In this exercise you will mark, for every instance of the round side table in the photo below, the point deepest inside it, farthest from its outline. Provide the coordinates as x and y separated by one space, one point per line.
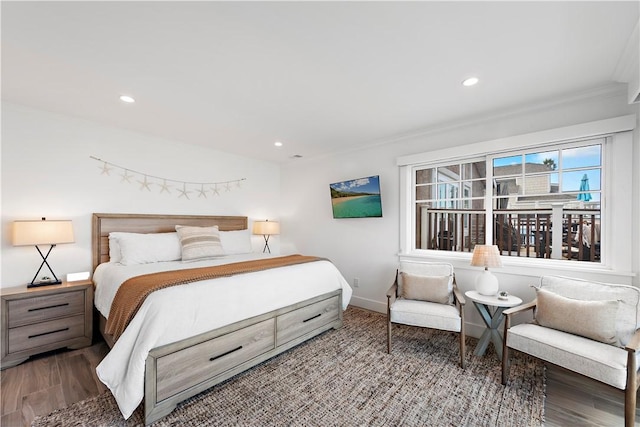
490 308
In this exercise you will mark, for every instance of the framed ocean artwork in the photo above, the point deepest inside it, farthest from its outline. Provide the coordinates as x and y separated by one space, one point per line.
356 198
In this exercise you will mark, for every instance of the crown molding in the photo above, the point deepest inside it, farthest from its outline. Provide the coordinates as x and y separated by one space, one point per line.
608 90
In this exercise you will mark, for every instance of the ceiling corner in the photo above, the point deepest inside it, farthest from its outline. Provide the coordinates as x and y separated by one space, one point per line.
628 67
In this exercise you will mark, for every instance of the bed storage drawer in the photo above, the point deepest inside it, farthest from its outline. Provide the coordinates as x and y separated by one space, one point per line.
183 369
306 319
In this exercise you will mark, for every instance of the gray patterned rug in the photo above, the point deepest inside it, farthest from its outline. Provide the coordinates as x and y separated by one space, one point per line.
345 377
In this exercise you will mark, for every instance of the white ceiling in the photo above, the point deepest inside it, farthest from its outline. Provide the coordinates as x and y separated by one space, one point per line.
322 77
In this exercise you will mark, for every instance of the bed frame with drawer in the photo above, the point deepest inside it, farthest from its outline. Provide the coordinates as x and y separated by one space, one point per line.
177 371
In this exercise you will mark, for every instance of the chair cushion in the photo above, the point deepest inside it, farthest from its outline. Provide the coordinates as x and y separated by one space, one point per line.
426 314
427 288
628 319
590 319
602 362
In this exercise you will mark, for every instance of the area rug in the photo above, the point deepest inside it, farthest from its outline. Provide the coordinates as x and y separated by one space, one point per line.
345 378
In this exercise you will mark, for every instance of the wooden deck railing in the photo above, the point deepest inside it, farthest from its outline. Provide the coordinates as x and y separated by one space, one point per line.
521 233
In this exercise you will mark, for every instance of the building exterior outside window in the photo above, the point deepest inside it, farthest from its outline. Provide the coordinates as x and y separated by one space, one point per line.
531 203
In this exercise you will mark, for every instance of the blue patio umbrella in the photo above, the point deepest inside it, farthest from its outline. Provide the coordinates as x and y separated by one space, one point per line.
584 194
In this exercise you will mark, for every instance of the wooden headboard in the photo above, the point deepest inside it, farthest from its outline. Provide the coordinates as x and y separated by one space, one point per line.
105 223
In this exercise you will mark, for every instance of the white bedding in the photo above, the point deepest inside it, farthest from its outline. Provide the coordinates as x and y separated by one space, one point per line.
179 312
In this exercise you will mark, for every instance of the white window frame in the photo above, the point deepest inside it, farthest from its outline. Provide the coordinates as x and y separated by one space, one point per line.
615 207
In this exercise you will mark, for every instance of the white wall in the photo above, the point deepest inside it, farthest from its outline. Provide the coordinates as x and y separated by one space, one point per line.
47 172
368 248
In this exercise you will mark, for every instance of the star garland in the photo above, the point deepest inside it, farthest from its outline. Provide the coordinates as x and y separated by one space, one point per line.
184 189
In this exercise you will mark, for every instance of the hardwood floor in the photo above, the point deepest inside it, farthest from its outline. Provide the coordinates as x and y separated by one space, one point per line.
573 400
58 379
48 382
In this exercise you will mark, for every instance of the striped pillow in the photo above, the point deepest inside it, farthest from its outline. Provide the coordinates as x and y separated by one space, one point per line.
199 242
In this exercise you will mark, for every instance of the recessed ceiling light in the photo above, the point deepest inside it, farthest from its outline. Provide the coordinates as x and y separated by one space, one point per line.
278 144
127 99
470 81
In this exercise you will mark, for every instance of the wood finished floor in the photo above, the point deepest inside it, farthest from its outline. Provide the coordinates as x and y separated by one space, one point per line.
58 379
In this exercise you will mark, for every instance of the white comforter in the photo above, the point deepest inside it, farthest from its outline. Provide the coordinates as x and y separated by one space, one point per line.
179 312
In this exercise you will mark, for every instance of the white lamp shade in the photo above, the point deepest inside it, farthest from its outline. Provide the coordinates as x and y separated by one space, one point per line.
42 232
486 256
266 227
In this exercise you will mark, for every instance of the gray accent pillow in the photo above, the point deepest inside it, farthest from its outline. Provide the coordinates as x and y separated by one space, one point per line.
426 288
591 319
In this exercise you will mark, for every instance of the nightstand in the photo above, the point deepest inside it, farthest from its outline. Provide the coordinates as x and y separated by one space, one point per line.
42 319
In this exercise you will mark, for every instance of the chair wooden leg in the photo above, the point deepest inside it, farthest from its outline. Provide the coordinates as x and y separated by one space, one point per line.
463 351
389 336
505 352
631 390
630 407
505 365
463 339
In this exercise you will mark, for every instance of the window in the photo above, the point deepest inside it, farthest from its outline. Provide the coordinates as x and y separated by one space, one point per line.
450 205
513 199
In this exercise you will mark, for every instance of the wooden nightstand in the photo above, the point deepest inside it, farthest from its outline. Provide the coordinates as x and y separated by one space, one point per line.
43 319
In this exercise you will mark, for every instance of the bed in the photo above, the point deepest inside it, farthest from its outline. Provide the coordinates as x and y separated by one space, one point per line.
185 339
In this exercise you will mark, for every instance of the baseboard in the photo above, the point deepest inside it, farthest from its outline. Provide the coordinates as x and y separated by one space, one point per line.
369 304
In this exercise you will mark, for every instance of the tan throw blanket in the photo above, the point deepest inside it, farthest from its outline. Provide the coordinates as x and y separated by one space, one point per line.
133 292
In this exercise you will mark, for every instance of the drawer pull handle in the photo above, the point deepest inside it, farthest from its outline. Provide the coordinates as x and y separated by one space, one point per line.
311 318
47 333
224 354
48 307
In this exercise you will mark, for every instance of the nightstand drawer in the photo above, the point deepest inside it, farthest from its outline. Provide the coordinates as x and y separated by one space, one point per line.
40 334
37 309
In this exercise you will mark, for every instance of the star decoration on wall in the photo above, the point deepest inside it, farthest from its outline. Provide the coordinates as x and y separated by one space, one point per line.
126 177
183 192
145 184
164 187
183 188
106 169
202 192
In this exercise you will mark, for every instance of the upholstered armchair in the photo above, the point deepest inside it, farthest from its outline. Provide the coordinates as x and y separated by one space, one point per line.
426 295
587 327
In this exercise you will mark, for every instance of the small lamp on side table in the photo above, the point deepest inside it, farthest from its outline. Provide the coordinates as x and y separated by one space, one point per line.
266 229
486 256
27 233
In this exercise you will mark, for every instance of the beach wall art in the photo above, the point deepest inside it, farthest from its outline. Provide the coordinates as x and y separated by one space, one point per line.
356 198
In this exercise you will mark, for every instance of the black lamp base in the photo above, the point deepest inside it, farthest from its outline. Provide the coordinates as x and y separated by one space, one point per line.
45 283
46 280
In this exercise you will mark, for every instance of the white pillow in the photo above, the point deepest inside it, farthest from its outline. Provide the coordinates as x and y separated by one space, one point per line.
137 248
199 243
114 248
236 242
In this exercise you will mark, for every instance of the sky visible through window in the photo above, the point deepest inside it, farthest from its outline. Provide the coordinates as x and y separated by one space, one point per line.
576 163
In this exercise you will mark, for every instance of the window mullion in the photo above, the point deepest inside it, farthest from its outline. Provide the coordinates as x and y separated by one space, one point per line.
488 201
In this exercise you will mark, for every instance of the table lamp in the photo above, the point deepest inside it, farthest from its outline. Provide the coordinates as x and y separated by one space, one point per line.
486 256
266 229
42 232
